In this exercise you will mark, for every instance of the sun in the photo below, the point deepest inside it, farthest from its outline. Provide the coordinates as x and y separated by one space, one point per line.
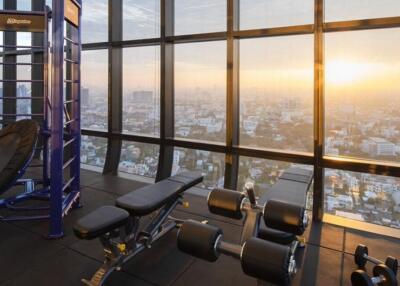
342 72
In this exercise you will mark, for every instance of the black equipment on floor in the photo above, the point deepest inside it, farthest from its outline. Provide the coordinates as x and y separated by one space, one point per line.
361 258
118 226
383 276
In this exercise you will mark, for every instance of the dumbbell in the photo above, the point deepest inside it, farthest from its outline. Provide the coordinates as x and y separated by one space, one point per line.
361 257
383 276
260 259
280 215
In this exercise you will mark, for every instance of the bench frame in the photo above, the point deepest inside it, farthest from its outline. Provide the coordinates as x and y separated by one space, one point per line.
121 245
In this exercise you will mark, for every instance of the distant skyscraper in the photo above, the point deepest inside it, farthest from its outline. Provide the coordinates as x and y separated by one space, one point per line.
141 96
85 96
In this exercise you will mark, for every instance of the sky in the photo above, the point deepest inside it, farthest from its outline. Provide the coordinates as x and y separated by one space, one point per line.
361 62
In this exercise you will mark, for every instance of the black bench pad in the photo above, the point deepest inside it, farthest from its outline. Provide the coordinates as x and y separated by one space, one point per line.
100 221
145 200
292 186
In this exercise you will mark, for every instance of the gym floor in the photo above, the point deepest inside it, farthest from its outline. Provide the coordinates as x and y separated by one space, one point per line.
26 258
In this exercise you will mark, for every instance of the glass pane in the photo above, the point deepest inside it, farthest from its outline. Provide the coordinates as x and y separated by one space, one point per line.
194 16
362 88
276 93
343 10
94 21
93 151
141 81
257 14
263 173
94 92
210 164
139 159
141 19
364 197
200 91
24 5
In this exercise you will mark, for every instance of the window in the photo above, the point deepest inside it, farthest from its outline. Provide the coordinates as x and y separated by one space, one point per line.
141 19
193 17
94 91
263 173
200 91
141 81
24 89
139 159
258 14
93 151
25 5
342 10
362 87
364 197
210 164
94 21
276 93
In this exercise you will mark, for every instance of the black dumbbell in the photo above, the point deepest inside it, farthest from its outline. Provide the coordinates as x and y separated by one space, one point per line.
383 276
261 259
361 257
280 215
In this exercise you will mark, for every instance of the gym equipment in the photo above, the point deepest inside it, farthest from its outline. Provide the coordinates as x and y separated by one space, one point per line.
56 110
280 216
361 257
383 276
259 258
118 226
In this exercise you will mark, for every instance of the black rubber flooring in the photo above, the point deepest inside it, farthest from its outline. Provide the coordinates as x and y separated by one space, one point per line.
27 258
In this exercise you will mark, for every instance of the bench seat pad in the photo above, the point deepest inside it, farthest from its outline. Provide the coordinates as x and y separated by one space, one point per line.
148 199
100 221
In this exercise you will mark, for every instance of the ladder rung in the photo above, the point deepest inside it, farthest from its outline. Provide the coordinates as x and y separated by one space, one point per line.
70 101
67 184
70 121
71 61
68 162
71 81
71 41
69 142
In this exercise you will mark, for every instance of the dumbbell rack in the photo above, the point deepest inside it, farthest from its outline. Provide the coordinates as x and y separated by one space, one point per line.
60 119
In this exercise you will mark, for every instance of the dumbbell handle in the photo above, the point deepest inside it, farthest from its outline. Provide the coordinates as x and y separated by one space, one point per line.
373 260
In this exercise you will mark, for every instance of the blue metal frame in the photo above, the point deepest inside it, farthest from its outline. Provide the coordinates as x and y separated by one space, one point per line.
60 128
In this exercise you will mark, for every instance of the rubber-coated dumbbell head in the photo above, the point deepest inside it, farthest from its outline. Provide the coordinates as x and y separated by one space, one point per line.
226 203
199 240
267 261
360 278
359 255
387 273
392 263
285 216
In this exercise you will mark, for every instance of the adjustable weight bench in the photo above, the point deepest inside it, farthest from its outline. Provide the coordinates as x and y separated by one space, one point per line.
118 226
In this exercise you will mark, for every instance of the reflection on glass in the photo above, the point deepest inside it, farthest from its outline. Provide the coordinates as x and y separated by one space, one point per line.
141 19
258 14
276 93
263 173
362 94
141 81
363 197
342 10
210 164
200 91
94 21
93 151
139 159
94 89
193 16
